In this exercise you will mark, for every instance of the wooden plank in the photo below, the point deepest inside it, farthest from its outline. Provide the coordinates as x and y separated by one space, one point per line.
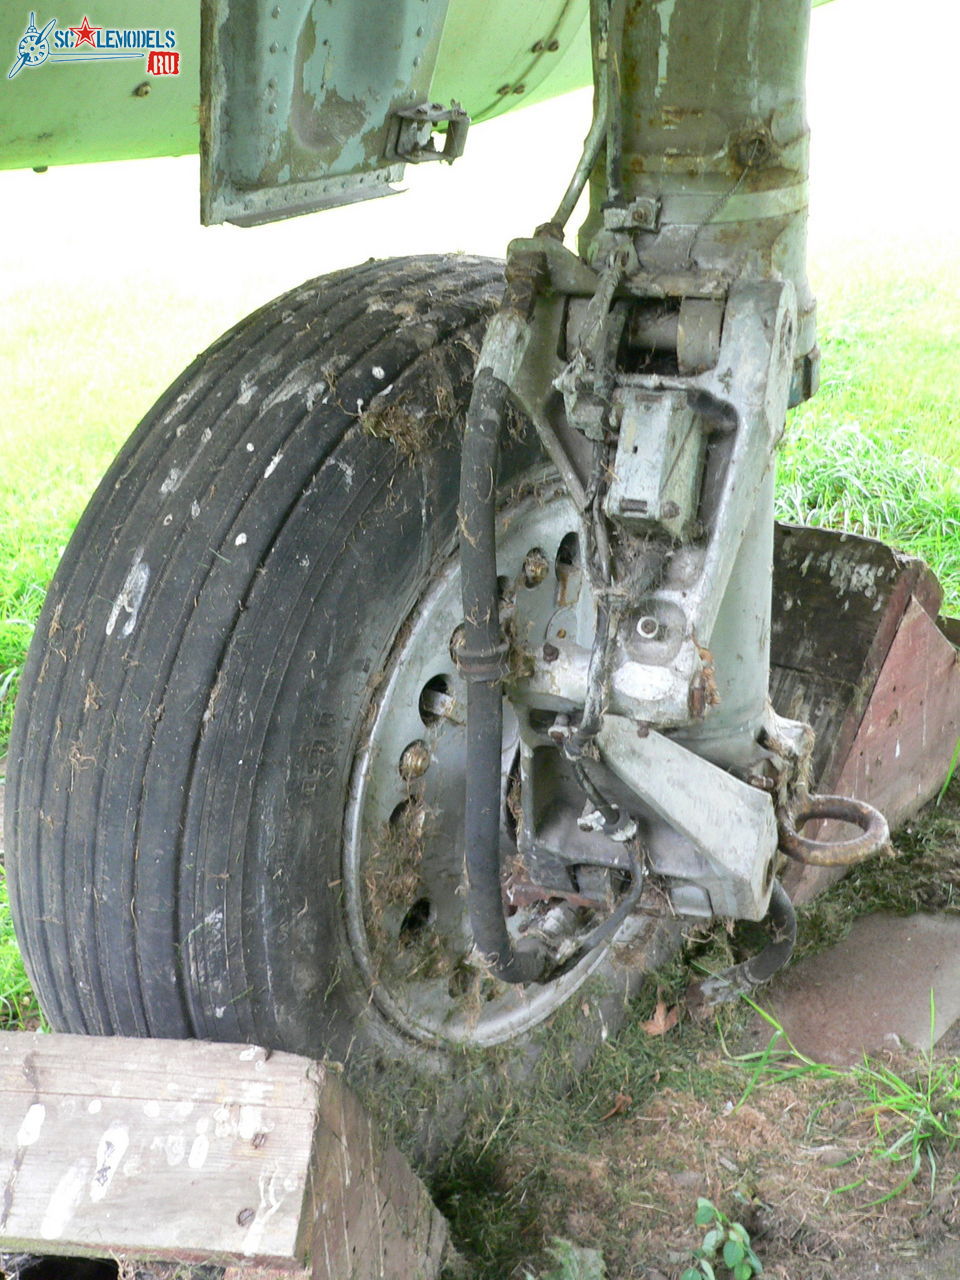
368 1206
905 738
911 725
858 652
838 600
190 1152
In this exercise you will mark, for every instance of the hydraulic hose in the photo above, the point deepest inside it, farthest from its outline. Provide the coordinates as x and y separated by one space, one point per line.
740 979
482 662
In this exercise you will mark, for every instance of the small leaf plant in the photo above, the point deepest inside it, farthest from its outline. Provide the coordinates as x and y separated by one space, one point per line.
726 1249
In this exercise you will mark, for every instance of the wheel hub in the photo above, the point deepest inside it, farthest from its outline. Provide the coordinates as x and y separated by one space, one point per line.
404 880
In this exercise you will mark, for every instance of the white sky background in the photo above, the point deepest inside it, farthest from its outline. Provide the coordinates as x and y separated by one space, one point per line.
884 88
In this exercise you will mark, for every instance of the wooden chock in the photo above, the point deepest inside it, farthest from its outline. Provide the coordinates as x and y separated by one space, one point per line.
172 1156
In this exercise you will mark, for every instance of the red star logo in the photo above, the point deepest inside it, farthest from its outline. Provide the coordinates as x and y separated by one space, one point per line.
84 33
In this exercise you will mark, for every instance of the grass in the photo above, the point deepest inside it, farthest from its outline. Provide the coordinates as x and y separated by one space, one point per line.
877 450
924 877
914 1110
616 1162
18 1007
59 432
545 1166
840 477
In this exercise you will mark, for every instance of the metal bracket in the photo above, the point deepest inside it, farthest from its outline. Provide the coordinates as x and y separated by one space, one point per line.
415 141
642 214
730 827
299 103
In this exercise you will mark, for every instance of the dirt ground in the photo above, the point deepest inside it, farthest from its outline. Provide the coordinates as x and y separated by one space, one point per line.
776 1163
669 1113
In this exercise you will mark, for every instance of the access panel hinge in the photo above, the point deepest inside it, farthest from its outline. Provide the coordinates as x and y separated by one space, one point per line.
415 139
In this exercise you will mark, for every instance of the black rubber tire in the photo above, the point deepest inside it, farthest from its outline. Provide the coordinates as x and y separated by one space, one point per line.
193 697
175 787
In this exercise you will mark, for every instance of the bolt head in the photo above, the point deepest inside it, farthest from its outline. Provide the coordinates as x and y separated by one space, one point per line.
535 568
415 761
550 652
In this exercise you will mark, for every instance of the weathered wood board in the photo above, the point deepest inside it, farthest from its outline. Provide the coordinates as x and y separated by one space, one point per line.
858 652
194 1152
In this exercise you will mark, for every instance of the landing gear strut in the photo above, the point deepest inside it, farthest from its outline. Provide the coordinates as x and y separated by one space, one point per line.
657 369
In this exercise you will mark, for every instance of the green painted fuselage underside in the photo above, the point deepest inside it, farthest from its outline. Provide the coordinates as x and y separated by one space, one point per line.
75 113
495 55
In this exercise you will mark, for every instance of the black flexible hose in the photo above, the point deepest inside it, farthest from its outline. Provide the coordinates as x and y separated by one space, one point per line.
482 662
740 979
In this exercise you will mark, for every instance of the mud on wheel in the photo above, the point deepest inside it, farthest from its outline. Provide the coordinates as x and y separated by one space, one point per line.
236 779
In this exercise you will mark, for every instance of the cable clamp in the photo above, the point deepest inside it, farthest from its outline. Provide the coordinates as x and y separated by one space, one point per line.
484 666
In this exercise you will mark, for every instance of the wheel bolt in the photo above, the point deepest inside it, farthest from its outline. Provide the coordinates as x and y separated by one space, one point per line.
535 568
415 761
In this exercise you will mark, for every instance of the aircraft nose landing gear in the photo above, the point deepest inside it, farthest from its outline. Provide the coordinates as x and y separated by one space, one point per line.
657 370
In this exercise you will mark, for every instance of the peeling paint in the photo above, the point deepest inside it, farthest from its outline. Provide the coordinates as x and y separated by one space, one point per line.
250 1122
271 1198
665 16
172 482
31 1125
131 596
199 1151
110 1152
63 1203
248 389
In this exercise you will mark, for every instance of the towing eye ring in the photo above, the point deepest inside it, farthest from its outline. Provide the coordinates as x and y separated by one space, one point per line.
874 832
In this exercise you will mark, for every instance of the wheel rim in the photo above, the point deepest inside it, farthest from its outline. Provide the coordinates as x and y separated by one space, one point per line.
403 885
